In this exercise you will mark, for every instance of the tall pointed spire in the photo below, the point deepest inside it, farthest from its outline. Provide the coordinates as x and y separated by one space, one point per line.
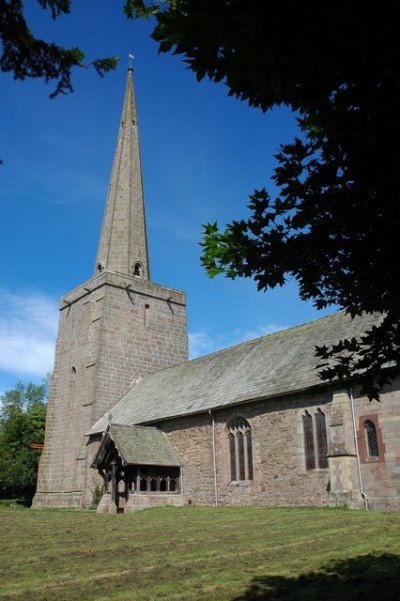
123 240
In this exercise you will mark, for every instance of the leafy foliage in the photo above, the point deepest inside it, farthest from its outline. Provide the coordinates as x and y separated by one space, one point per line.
334 226
26 56
22 423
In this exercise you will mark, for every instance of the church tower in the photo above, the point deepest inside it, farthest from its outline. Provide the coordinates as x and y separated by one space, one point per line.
113 329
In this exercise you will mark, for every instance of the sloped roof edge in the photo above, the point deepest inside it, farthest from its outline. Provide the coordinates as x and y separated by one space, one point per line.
268 367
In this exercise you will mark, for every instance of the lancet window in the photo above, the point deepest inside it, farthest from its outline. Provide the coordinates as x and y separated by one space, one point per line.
138 269
315 440
370 440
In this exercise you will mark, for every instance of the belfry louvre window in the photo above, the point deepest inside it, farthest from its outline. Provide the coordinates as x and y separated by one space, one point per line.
240 449
315 440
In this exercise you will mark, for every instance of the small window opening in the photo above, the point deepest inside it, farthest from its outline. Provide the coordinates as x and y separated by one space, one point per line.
163 485
153 485
172 485
99 267
372 439
137 270
143 484
146 314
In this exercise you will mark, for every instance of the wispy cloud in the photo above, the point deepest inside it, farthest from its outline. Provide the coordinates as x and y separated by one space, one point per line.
202 342
28 328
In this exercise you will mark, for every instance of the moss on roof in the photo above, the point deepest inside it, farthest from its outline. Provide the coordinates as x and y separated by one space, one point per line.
267 367
138 445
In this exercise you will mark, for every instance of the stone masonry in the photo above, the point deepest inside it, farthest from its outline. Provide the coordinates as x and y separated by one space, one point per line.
113 329
280 474
123 240
118 333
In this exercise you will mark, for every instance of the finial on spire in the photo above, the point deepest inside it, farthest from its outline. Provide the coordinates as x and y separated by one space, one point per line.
131 57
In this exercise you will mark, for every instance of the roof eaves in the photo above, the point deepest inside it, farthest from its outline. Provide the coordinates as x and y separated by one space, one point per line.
242 401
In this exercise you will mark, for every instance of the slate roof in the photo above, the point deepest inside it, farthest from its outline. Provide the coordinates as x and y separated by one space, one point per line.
267 367
138 445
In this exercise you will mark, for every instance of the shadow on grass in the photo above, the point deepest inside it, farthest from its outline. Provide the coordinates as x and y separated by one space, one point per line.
367 578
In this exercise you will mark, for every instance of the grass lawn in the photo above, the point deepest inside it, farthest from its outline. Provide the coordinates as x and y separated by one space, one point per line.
193 553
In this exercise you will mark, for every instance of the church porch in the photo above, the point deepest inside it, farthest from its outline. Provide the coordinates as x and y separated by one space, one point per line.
139 470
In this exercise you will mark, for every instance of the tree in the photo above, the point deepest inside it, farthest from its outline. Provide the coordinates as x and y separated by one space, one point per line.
22 423
334 225
26 56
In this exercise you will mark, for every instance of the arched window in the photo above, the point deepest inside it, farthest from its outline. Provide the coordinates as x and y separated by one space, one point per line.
309 441
137 269
315 440
240 449
371 439
322 440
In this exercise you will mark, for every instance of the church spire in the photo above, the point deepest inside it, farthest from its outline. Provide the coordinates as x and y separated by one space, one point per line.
123 240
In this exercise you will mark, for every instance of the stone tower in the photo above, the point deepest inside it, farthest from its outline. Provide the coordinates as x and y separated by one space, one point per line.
113 329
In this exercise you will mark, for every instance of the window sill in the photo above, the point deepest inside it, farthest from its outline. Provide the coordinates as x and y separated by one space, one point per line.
373 460
240 483
317 470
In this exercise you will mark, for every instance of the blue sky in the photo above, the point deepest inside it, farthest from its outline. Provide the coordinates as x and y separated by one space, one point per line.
203 153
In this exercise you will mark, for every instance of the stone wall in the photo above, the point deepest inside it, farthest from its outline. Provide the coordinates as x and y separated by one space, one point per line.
113 330
280 474
381 476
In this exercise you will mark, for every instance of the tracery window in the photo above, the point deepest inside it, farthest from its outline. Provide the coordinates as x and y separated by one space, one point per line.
240 449
315 440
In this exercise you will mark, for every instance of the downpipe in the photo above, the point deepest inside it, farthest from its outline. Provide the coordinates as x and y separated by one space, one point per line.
214 459
353 415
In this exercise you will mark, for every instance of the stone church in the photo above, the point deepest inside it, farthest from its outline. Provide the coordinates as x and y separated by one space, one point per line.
247 425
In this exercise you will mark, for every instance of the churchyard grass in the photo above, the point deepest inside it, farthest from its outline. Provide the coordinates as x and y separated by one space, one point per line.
194 554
